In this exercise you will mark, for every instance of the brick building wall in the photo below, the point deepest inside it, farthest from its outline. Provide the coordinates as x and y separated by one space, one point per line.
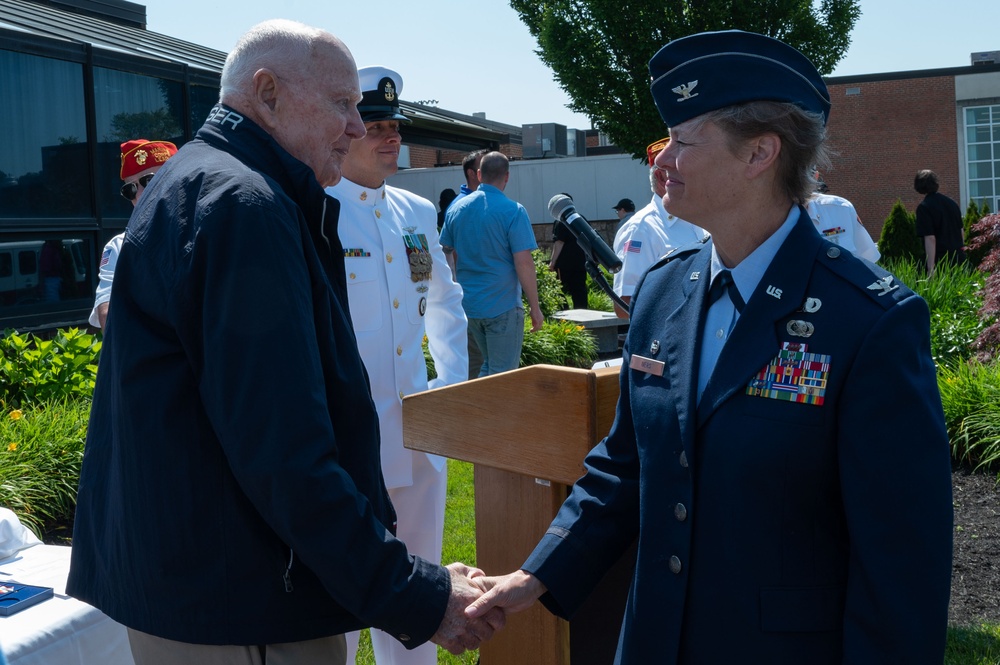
884 132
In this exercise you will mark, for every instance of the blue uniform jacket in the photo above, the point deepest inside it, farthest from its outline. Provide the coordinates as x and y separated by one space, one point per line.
770 531
231 490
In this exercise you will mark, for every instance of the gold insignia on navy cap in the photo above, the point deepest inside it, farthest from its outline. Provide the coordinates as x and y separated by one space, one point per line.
380 88
732 67
389 88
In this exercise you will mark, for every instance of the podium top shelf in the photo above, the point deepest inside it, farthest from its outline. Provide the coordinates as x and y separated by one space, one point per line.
537 421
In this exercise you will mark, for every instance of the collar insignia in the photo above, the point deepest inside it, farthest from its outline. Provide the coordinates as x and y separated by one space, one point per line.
884 285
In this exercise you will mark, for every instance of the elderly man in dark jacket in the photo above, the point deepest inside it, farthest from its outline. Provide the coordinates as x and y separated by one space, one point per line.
231 496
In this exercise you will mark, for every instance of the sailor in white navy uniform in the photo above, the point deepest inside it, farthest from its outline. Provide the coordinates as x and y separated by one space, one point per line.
837 221
399 288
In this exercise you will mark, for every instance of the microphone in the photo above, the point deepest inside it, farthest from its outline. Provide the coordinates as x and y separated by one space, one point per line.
596 250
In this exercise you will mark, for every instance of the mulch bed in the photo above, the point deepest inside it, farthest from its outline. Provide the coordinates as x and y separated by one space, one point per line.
975 578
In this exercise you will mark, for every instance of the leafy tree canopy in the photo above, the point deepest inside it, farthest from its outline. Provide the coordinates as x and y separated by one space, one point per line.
599 49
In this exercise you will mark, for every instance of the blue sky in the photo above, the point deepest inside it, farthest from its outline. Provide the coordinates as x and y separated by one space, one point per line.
476 56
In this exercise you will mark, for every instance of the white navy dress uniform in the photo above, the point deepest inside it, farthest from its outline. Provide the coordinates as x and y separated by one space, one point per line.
648 236
400 288
837 221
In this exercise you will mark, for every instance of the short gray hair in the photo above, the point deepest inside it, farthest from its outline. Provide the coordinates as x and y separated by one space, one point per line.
802 134
493 167
272 44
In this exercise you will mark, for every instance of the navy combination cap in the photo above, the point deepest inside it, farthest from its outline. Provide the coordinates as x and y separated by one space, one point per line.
712 70
380 88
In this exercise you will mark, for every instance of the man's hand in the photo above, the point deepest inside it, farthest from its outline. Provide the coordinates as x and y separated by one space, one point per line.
536 318
459 632
512 593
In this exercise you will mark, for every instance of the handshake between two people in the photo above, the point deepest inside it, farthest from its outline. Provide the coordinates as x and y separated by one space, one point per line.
478 605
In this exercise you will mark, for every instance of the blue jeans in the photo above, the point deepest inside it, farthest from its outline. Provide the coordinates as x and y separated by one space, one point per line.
500 339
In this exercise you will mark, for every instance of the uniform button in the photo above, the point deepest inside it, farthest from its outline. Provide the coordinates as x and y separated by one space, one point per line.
720 333
684 459
395 303
401 394
404 638
353 276
680 512
399 350
675 565
388 258
363 196
833 252
378 214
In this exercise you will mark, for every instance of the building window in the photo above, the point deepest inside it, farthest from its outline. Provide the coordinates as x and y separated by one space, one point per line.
44 166
203 100
982 137
131 106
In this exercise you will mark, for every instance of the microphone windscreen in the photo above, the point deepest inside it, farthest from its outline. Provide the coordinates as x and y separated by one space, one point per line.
558 205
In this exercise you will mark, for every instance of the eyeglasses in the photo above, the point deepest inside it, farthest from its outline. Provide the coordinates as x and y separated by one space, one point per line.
653 149
130 189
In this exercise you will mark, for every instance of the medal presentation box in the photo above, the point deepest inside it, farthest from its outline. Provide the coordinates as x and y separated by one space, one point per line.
15 597
527 432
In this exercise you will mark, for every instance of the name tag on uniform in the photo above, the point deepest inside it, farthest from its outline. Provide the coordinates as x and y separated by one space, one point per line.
647 365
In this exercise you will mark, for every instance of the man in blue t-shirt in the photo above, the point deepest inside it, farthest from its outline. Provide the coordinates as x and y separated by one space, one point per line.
489 240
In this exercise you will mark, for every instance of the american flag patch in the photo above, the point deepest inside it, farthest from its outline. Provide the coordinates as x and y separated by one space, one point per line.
793 376
634 246
105 257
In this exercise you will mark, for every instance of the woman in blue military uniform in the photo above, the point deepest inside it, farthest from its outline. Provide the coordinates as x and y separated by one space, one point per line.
779 447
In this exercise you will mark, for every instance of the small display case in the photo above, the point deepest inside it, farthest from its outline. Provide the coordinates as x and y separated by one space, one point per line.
15 596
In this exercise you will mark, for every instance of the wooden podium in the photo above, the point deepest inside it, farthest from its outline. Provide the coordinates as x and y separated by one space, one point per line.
527 432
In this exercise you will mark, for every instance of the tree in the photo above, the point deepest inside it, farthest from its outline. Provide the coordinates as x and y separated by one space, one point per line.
599 50
899 239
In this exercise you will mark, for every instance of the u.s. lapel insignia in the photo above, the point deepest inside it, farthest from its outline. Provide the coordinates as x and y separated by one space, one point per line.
654 348
774 292
883 285
798 328
811 305
685 90
696 275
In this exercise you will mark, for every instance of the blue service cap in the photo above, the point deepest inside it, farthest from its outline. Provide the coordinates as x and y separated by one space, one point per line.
380 88
712 70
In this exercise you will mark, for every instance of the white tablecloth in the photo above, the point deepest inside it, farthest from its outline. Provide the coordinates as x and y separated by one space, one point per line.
61 630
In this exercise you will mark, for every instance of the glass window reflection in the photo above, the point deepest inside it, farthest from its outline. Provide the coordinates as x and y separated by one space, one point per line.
130 106
37 271
44 165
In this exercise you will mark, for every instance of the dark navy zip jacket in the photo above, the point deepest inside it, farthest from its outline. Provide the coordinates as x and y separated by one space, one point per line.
231 490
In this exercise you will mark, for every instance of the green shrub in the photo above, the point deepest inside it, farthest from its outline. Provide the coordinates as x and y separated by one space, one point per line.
954 296
41 449
35 370
597 299
551 298
970 396
899 239
559 343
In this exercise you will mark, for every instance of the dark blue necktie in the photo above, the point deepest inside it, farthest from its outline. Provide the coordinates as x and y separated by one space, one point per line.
724 282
